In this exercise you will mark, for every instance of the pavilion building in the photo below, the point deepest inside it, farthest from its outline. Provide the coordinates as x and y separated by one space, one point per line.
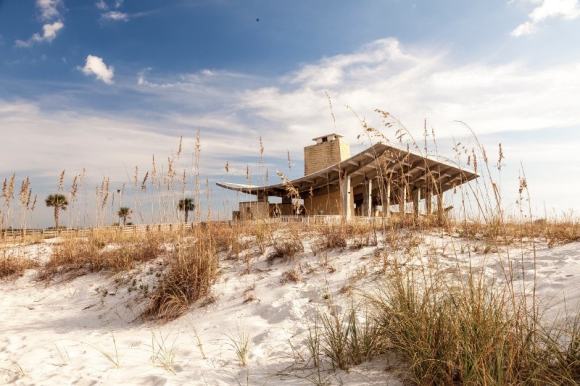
382 180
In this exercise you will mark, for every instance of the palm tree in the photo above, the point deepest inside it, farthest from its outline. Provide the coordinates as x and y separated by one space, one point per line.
124 213
186 205
58 202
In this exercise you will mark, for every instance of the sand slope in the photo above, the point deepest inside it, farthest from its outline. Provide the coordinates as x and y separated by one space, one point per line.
86 331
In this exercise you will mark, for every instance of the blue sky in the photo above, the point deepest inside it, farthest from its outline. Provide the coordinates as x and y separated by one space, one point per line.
104 84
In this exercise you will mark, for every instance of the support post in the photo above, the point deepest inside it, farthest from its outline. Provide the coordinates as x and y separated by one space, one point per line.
368 199
428 201
416 199
346 198
440 207
262 197
402 198
386 199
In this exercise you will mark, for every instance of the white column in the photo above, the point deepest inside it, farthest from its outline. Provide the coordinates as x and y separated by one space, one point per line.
386 198
428 201
368 199
346 198
440 207
402 198
416 199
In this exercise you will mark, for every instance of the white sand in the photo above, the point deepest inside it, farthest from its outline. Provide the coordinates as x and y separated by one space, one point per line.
64 333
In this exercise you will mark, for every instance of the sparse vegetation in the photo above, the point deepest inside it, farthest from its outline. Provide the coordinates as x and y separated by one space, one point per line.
286 249
290 276
331 237
162 353
12 266
112 357
101 252
346 340
241 346
475 333
192 269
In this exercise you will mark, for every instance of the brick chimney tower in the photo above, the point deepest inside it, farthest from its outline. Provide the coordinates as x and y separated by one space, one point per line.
328 150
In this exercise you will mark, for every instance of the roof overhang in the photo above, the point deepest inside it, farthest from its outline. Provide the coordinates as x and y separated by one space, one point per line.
389 162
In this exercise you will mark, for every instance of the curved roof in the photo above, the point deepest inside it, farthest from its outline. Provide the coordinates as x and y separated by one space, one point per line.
388 161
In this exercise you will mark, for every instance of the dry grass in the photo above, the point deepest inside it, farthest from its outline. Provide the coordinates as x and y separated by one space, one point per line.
192 269
286 249
241 346
478 333
330 237
507 232
348 340
291 276
12 267
78 256
263 234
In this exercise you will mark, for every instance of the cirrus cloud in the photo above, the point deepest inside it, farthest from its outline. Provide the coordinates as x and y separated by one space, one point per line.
115 16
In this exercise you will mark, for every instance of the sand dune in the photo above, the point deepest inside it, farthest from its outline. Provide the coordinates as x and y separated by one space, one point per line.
87 331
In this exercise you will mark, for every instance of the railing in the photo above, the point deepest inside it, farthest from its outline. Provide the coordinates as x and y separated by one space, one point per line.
320 219
316 219
21 234
15 234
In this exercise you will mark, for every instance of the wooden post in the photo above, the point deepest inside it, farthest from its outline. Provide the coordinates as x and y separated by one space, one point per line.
346 198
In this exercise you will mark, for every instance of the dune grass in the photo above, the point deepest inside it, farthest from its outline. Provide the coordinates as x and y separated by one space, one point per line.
15 266
102 251
192 269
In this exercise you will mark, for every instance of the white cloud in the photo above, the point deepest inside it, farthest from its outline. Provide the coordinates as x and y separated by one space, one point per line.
111 11
49 33
233 110
49 9
415 85
547 9
95 65
102 5
505 102
526 28
115 16
50 14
